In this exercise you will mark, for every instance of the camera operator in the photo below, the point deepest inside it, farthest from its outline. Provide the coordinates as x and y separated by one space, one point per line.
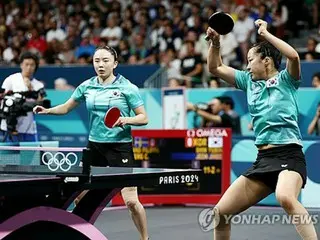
214 115
228 108
314 126
24 83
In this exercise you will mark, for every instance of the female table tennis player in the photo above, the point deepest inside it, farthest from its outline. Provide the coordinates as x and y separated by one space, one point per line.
110 146
280 166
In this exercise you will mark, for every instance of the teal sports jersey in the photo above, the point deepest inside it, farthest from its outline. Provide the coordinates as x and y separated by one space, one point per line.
121 93
273 107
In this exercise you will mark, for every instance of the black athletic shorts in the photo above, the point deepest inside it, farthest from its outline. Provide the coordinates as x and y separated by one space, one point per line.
270 162
112 155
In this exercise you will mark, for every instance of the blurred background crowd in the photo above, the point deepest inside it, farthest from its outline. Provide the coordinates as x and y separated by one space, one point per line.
170 33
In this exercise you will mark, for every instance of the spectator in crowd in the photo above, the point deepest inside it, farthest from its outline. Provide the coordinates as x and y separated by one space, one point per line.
124 51
84 59
147 29
229 45
55 32
243 30
310 54
67 52
280 15
53 51
95 24
312 6
174 83
12 52
191 66
263 13
139 49
316 80
86 48
112 33
314 126
142 27
195 13
133 60
214 82
157 30
37 42
61 84
193 37
169 39
171 63
73 35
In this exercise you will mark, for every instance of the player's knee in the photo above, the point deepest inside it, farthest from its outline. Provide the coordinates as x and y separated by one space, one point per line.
285 200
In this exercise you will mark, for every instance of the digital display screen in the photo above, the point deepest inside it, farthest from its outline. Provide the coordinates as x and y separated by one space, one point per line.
184 151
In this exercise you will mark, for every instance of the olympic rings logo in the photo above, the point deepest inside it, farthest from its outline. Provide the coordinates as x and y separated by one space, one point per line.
59 160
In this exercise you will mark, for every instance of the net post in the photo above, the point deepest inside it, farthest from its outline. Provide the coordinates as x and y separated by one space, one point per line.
86 161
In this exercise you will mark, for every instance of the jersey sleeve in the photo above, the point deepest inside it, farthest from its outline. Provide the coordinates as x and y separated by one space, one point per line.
290 80
78 94
241 79
134 98
7 84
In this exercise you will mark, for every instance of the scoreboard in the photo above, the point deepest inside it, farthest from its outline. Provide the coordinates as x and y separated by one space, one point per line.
205 149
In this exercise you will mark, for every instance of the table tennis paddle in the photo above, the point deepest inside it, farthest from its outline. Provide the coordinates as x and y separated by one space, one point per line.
221 22
112 117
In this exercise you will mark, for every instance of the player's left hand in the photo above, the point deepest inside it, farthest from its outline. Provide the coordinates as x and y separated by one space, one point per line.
122 121
262 26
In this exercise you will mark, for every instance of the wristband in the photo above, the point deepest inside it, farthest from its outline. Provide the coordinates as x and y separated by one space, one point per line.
215 44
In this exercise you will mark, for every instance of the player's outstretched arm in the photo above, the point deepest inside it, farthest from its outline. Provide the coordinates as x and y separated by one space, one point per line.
293 60
215 64
57 110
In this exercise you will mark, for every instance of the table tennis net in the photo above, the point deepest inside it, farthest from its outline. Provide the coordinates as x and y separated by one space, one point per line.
21 155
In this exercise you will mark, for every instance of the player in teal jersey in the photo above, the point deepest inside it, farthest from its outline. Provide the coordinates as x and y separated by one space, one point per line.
280 166
110 146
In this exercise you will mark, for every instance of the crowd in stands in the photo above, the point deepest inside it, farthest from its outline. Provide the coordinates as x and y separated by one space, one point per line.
170 33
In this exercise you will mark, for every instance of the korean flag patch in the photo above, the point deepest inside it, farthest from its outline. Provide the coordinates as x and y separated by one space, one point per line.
272 82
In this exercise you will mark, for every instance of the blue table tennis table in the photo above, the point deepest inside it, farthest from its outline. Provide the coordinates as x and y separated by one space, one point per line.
34 200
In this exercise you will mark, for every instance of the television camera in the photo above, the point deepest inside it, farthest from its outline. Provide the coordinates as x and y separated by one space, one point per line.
16 104
196 118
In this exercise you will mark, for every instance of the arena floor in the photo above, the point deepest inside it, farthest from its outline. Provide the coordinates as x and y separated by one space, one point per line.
182 223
